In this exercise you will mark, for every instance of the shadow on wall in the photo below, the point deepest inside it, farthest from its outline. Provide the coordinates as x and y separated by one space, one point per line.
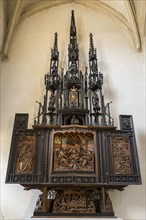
128 204
1 216
32 203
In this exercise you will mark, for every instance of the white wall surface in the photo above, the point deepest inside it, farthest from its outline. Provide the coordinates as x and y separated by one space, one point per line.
22 78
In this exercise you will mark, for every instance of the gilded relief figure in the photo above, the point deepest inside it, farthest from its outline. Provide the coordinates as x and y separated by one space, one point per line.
73 151
25 158
62 157
74 158
74 202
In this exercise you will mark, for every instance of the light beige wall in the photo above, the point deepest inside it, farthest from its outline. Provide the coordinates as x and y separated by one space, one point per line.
22 84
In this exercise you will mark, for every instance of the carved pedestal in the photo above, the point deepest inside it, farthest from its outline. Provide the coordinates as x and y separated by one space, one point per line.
74 202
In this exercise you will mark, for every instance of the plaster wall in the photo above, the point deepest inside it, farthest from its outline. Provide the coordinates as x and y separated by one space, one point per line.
22 78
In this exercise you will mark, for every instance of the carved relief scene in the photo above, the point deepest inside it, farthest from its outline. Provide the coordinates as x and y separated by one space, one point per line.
73 152
122 155
25 154
74 201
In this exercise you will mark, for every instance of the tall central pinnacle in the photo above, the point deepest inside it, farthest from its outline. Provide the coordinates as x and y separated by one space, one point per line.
72 25
73 50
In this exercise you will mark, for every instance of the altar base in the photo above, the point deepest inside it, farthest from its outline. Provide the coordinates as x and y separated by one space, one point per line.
77 218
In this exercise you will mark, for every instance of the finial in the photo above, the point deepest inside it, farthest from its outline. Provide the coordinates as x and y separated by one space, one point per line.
54 51
92 50
56 41
91 41
72 25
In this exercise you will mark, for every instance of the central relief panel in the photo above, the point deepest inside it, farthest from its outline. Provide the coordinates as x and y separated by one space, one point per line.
73 151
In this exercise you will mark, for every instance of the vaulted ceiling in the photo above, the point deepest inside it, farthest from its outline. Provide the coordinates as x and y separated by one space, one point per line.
130 15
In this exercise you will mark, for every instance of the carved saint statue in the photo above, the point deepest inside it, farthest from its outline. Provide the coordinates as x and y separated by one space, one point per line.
51 102
73 70
95 102
74 120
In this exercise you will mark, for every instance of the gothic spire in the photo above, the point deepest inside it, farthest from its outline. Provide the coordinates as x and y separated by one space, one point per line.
52 78
54 50
72 25
73 50
93 66
92 50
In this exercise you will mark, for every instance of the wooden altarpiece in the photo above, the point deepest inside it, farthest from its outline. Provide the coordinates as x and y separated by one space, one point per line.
73 154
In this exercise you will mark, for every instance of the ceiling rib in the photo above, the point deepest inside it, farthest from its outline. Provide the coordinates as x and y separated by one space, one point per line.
10 29
19 14
134 24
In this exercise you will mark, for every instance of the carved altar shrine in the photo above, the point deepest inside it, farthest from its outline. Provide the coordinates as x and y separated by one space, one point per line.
73 154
